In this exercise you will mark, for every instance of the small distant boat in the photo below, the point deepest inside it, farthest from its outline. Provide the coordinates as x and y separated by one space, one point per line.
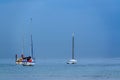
29 61
73 60
26 61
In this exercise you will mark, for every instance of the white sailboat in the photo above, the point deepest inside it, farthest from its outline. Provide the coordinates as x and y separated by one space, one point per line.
29 60
73 60
26 61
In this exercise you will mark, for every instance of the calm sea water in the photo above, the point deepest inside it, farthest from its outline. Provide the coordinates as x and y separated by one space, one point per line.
94 69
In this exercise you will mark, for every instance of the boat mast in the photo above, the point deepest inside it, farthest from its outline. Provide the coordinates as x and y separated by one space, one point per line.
31 47
22 54
31 42
23 45
73 45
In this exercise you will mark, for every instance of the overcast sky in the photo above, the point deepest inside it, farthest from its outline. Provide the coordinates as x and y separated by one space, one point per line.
96 24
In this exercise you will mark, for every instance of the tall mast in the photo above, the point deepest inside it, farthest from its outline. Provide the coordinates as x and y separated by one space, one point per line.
73 45
23 46
31 47
31 41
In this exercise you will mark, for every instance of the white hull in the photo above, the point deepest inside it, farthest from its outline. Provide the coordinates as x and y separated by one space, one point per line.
25 63
28 64
72 61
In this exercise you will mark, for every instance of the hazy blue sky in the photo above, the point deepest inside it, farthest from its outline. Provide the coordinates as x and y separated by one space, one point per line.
96 24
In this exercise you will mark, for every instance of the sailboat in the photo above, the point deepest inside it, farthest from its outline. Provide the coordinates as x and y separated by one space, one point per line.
30 60
26 61
73 60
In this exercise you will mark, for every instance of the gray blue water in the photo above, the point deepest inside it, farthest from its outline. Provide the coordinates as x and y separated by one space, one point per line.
102 69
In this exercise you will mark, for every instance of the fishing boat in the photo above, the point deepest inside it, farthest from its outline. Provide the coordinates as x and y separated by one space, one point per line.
73 60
